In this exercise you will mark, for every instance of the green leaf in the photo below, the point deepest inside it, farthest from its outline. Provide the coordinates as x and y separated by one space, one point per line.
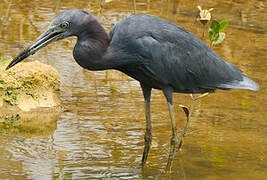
214 30
210 34
219 38
215 26
223 25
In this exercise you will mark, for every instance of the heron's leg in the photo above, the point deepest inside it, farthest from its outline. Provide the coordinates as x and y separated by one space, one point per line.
168 94
174 139
188 113
148 135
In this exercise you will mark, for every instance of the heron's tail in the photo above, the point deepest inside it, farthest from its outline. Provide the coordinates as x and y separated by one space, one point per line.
246 83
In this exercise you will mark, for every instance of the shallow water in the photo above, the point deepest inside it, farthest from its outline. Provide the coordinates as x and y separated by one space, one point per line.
100 133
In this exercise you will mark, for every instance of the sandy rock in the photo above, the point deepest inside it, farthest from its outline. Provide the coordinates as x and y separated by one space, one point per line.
28 85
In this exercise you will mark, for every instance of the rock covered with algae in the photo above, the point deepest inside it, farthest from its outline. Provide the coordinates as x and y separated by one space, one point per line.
28 86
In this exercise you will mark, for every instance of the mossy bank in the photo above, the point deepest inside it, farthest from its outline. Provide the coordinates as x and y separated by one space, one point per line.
28 86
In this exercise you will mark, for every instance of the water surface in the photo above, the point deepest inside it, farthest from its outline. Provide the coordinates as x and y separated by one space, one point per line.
100 133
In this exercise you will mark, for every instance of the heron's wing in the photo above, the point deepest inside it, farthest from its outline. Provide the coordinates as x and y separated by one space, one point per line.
168 54
186 64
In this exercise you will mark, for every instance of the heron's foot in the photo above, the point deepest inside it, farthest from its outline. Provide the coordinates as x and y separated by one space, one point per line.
174 138
185 109
173 146
148 139
179 147
187 113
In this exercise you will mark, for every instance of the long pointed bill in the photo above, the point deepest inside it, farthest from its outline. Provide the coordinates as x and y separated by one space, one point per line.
42 41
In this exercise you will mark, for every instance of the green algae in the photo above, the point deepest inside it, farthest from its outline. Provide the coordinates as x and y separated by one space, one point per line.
23 83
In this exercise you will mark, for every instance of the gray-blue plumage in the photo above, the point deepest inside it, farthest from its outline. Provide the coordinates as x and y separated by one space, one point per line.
165 54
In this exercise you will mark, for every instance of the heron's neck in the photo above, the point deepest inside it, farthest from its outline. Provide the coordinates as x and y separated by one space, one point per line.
91 47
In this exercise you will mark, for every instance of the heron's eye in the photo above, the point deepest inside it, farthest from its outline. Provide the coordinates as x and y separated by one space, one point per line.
64 25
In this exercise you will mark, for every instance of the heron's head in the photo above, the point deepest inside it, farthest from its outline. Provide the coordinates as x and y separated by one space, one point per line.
69 23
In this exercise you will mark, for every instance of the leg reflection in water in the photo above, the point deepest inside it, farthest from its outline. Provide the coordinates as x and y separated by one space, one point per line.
173 144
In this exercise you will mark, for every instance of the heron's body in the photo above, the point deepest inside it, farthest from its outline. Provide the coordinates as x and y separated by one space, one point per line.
157 53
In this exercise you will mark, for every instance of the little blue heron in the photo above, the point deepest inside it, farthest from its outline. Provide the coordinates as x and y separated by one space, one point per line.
155 52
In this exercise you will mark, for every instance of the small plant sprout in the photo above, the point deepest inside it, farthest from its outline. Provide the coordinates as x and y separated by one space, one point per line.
204 16
216 35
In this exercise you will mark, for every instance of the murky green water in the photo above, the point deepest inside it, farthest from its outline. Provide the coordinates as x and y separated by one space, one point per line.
100 133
